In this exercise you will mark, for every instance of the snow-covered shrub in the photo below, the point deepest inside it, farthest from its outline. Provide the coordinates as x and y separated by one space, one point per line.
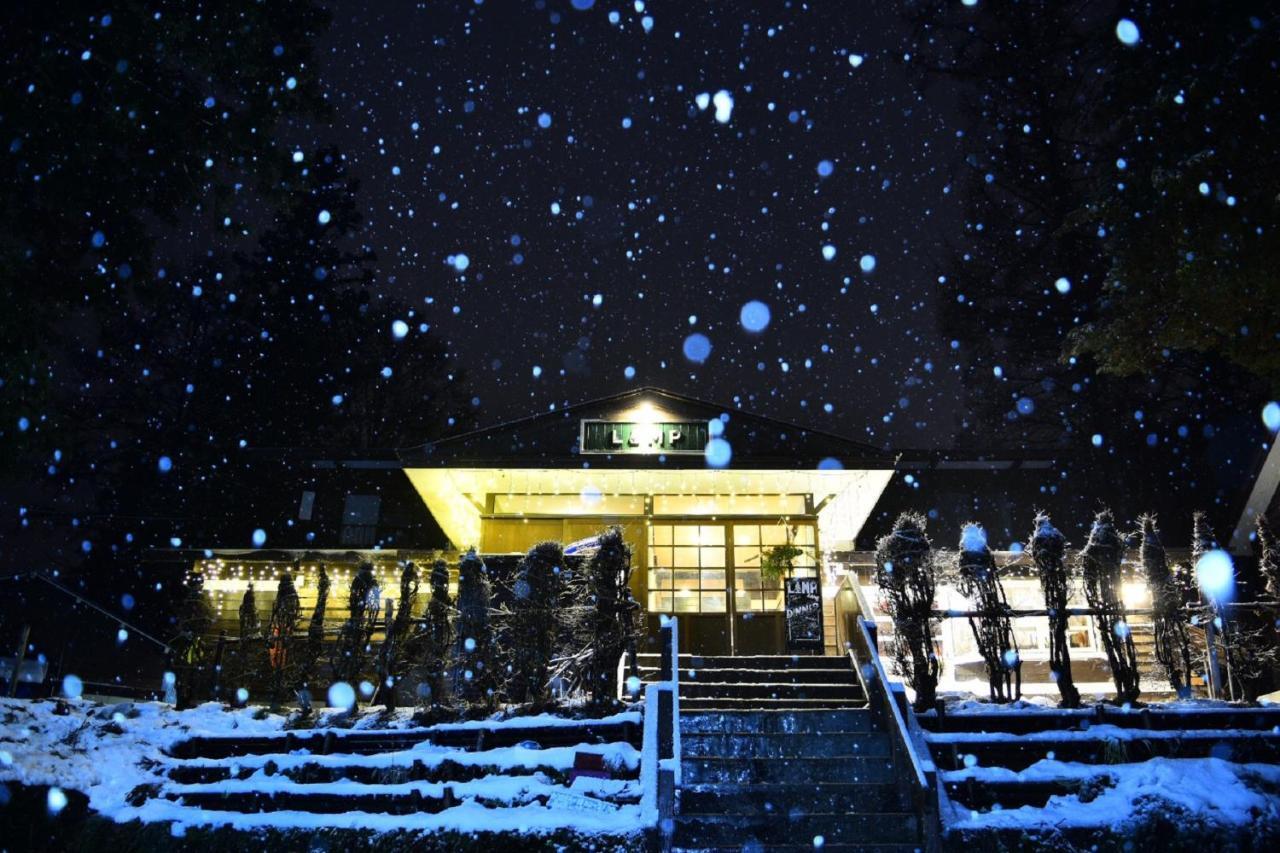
905 573
474 670
1100 562
535 622
614 618
281 643
436 644
978 580
1047 548
1172 643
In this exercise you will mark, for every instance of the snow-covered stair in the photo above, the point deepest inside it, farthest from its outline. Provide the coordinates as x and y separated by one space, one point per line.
773 682
470 776
798 779
1009 769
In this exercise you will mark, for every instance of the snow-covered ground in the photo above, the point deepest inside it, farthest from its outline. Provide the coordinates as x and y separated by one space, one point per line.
108 751
99 749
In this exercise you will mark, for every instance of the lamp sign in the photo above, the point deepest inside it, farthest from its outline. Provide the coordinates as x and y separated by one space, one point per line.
622 437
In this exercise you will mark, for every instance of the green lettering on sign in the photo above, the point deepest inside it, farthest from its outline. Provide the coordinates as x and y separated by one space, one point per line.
635 437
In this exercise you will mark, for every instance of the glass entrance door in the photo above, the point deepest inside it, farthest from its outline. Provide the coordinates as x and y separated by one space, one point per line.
689 577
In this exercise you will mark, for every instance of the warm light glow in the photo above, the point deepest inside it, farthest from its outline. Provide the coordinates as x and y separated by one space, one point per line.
843 499
1135 594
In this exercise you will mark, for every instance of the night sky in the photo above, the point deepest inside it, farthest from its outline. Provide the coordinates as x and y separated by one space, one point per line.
606 214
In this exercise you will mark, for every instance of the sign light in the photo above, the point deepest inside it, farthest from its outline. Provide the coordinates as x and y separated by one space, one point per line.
643 437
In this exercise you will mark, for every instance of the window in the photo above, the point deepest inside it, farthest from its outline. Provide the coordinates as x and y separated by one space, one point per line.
751 543
690 565
360 519
687 571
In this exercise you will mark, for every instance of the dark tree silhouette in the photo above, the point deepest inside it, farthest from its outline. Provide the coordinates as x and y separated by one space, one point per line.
396 648
281 642
314 648
250 651
437 639
192 658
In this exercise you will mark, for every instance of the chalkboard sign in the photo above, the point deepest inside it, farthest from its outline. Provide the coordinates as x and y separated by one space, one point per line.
804 613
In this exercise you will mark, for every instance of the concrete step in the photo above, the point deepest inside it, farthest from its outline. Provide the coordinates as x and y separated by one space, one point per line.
252 802
336 768
757 771
796 721
651 661
808 847
755 847
728 675
1018 754
468 738
783 799
1011 794
761 745
694 830
694 705
763 690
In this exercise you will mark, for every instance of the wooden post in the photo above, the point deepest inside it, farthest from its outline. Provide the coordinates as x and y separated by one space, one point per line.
17 660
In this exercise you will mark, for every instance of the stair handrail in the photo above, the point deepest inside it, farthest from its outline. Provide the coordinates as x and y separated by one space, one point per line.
900 734
905 742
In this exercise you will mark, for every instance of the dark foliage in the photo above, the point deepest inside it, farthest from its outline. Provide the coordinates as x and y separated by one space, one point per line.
535 622
311 653
437 639
979 581
1172 643
474 672
351 654
905 573
397 649
250 651
1269 558
281 641
1048 551
192 657
614 618
1100 561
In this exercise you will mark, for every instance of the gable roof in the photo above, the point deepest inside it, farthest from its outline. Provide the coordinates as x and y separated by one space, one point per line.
551 439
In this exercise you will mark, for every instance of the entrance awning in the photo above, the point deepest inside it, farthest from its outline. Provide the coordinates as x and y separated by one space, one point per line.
842 499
